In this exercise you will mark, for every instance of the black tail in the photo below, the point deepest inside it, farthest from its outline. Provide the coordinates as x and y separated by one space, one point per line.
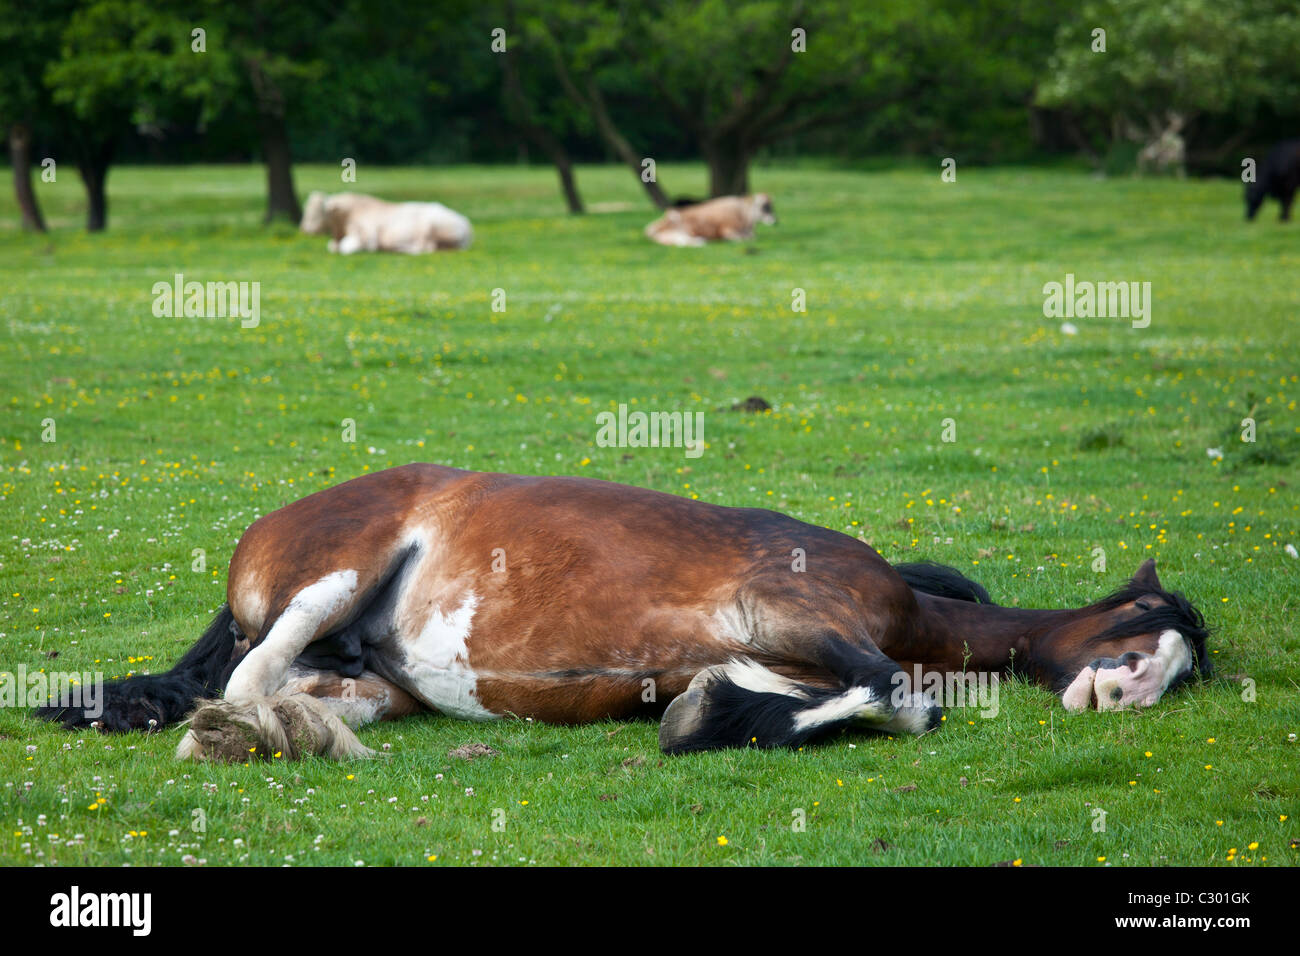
942 581
163 698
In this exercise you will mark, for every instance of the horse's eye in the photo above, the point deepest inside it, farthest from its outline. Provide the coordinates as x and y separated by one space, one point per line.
1143 604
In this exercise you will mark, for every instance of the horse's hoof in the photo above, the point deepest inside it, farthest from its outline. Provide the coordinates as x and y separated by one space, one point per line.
284 727
225 731
682 719
916 715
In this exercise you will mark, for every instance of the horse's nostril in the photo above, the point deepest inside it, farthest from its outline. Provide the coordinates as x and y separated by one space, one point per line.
1116 693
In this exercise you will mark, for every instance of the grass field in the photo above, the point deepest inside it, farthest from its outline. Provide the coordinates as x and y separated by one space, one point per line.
924 303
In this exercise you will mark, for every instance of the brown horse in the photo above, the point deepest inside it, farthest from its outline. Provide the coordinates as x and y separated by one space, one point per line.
569 600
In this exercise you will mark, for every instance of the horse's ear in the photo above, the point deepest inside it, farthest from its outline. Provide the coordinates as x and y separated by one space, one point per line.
1146 576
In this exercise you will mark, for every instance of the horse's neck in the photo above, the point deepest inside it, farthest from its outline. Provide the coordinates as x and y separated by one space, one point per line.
962 635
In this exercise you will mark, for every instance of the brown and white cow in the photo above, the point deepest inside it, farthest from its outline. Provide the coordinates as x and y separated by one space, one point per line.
359 223
729 217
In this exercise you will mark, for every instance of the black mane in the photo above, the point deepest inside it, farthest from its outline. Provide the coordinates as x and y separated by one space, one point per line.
942 581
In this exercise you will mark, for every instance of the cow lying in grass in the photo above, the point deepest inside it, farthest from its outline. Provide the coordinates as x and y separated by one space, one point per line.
1278 176
730 217
357 223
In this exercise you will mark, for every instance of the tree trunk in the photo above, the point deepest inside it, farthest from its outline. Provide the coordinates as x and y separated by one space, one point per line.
96 196
281 198
594 103
534 130
562 162
92 162
564 166
621 147
20 146
728 168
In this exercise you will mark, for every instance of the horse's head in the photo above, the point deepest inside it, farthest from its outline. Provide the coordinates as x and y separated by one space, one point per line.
1128 649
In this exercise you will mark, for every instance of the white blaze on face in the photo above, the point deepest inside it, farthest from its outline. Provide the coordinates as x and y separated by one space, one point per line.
1139 684
437 663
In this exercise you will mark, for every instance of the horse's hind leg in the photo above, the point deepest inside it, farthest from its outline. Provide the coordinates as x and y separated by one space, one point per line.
310 614
256 718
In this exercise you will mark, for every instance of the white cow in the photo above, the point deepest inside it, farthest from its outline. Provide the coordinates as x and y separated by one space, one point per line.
357 223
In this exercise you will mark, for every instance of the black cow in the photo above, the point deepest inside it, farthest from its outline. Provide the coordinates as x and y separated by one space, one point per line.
1277 176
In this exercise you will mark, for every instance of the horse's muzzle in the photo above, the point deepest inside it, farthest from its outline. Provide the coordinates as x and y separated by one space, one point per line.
1132 680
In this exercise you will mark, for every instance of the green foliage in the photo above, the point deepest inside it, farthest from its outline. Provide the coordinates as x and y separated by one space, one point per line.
132 60
396 80
27 45
1175 57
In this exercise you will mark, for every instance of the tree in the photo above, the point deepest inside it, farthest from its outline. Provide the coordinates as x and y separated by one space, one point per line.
1168 63
123 62
579 40
272 52
26 44
737 77
527 117
303 65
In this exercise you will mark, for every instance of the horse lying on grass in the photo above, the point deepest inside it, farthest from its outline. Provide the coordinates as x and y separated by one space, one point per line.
570 600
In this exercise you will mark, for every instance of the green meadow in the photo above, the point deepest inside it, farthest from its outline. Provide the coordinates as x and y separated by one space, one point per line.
1076 456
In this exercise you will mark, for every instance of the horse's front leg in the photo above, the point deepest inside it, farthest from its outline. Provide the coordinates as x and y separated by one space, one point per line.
861 664
831 628
811 667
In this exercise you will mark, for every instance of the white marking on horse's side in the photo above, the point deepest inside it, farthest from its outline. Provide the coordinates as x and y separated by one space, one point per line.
437 663
263 670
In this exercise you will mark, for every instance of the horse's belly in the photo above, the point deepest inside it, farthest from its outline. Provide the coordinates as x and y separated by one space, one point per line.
564 672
